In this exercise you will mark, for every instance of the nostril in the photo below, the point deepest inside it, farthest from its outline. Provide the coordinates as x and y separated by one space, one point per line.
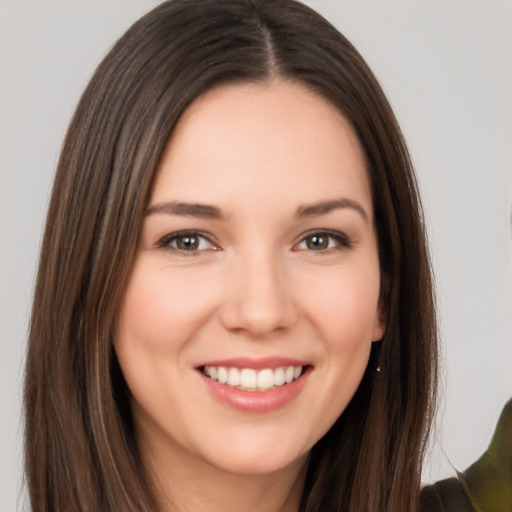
258 317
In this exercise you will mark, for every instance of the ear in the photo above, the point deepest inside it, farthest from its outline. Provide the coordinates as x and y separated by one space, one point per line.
379 324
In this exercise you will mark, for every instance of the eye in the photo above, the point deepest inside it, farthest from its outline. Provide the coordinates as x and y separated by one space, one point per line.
324 241
187 241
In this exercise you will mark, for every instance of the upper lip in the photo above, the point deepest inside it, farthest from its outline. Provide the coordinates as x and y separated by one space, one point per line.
255 363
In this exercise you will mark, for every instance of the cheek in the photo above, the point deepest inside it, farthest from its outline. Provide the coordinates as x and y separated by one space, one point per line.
344 305
161 309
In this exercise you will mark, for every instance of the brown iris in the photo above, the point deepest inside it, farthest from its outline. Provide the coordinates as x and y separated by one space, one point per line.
187 242
317 242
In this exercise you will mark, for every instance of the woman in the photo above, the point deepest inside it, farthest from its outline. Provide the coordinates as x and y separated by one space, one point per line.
234 304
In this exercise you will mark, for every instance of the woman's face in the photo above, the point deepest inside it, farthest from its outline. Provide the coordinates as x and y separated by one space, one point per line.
249 316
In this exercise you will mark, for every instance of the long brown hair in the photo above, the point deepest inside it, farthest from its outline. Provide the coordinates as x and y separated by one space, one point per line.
80 450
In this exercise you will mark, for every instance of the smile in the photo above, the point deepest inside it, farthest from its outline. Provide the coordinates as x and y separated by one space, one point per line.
249 379
255 385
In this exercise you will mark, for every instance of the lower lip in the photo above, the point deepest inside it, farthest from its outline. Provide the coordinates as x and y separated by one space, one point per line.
256 401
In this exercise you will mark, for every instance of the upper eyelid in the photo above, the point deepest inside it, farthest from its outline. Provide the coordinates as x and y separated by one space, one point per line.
194 232
342 241
327 232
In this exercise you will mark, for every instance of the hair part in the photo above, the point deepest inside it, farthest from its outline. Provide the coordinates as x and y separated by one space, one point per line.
80 446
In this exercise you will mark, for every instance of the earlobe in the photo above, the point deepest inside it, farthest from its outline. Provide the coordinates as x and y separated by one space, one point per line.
379 326
378 331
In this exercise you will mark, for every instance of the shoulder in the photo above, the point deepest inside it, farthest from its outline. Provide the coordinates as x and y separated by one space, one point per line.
485 486
445 496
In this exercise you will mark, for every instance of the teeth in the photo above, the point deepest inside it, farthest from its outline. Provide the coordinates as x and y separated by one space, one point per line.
279 377
265 379
233 377
222 375
249 379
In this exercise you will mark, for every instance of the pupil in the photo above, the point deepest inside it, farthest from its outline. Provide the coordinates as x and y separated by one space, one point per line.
317 242
188 243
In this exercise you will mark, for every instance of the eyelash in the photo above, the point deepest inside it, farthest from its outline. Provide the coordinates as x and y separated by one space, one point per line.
167 241
342 241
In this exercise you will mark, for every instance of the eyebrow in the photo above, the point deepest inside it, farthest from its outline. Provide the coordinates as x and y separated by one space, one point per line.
325 207
203 211
206 211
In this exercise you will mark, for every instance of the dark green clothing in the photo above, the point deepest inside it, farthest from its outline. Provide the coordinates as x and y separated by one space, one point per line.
486 486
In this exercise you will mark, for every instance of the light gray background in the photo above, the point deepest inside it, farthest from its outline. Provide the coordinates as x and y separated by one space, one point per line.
447 69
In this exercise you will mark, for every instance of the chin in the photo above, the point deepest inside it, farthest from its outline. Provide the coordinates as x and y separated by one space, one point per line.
260 465
247 458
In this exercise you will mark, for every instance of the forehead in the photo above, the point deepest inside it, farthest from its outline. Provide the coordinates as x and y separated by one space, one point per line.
265 139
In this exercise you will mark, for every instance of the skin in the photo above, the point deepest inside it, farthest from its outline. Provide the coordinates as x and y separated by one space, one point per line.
255 286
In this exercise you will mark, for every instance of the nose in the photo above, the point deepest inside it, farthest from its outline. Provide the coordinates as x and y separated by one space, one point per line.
259 299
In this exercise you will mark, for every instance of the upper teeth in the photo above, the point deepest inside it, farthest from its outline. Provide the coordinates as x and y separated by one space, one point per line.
249 379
